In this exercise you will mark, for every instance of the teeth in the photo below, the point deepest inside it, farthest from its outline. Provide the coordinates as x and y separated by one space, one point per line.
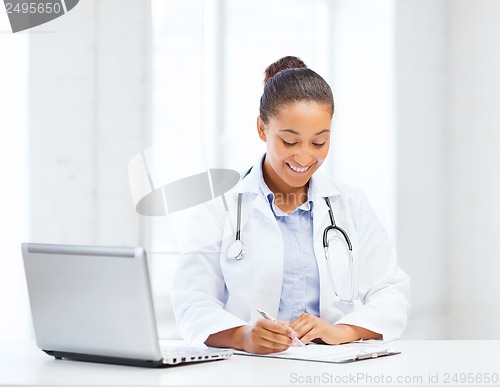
297 169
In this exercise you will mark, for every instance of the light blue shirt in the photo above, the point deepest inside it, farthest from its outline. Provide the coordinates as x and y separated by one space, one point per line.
300 290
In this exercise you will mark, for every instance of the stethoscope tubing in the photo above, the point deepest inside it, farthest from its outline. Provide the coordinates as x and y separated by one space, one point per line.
326 246
236 250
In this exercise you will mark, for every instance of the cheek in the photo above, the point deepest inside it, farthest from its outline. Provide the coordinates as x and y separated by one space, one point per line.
278 149
324 153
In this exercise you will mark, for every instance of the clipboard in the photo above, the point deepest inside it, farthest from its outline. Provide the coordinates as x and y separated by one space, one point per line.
340 354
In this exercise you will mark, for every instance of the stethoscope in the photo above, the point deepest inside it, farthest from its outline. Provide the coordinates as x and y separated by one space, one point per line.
333 226
236 250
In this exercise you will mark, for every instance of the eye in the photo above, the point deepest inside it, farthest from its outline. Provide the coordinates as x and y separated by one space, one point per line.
319 145
289 143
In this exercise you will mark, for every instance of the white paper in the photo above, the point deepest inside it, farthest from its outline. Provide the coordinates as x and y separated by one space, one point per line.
327 353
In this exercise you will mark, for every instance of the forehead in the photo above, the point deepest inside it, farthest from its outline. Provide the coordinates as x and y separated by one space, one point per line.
302 116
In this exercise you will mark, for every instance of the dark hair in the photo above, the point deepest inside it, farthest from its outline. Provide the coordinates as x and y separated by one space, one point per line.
289 80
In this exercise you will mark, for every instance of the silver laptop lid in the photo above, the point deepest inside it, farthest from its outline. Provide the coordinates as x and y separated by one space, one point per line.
91 300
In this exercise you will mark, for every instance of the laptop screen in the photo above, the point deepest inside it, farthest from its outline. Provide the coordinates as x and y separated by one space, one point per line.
92 300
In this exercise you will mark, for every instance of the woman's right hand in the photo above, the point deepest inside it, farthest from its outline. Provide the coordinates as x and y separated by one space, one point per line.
266 336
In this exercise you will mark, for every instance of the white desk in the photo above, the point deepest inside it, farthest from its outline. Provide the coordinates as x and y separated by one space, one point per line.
422 363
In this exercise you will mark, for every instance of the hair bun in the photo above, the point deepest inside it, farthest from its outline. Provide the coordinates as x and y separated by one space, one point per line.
287 62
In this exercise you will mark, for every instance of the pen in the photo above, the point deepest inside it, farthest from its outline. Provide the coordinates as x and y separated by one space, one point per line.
268 317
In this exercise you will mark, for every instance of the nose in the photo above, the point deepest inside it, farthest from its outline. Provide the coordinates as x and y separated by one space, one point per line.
305 156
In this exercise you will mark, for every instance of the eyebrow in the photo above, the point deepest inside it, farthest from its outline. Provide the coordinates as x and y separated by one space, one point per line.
298 134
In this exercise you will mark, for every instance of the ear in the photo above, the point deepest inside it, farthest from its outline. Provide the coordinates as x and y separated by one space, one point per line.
261 129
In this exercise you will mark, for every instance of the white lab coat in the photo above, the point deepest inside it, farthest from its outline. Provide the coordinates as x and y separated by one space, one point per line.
212 293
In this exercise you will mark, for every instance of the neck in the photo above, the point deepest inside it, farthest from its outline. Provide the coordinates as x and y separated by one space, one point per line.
286 197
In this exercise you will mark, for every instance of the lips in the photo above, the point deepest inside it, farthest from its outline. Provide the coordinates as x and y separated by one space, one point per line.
299 169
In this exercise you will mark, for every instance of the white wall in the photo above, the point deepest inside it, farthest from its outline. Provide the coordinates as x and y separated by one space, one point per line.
472 166
88 112
14 181
448 77
421 81
363 152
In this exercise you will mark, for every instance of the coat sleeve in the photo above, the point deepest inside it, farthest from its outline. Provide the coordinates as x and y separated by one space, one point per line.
198 292
383 288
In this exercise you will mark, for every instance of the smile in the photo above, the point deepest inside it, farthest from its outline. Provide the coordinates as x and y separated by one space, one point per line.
299 169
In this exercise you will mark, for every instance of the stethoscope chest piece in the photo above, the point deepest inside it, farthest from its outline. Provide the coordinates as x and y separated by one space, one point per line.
235 250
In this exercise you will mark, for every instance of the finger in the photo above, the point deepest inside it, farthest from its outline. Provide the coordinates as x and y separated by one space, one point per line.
268 342
261 345
302 319
308 332
274 346
298 324
291 331
302 327
282 328
306 336
283 338
273 332
304 330
266 348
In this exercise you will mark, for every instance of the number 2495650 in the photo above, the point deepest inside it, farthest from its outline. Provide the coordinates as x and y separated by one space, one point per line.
38 8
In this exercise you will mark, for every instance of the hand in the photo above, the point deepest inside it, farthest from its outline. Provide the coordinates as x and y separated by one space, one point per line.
267 336
309 327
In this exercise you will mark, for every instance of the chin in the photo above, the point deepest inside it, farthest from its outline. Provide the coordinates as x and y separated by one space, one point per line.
298 182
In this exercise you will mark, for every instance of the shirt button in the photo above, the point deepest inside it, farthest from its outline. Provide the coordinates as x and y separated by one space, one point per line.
299 276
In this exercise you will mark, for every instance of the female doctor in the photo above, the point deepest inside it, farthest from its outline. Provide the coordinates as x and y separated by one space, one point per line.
289 241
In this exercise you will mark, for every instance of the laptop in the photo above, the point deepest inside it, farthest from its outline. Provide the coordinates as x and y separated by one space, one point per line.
94 303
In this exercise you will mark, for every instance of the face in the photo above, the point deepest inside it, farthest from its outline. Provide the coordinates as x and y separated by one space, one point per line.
297 141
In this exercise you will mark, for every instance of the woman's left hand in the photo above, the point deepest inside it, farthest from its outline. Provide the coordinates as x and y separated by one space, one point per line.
309 327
